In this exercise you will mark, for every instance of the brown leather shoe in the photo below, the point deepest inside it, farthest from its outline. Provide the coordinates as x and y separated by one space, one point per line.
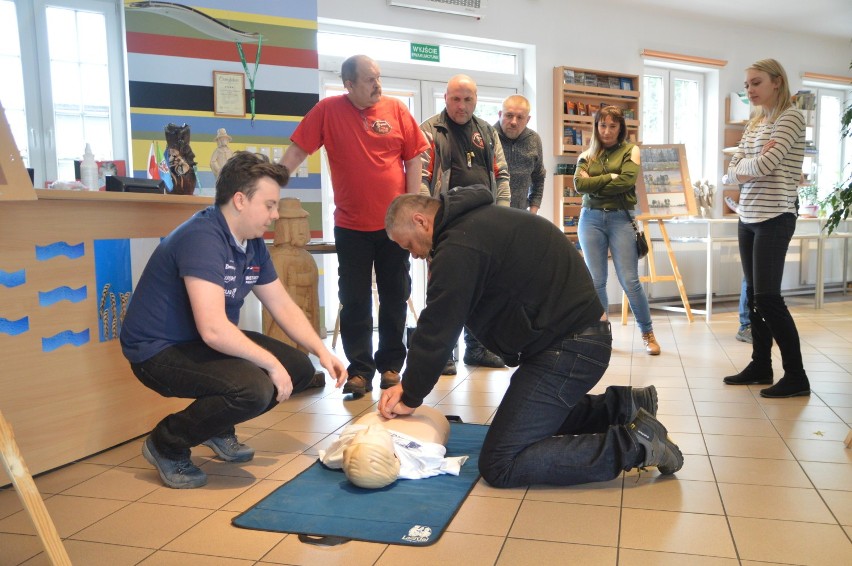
389 379
357 385
650 342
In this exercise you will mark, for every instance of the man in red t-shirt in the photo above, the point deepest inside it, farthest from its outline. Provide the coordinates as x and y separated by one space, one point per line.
373 145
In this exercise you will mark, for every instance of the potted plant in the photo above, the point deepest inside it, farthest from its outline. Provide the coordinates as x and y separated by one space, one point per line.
840 200
808 206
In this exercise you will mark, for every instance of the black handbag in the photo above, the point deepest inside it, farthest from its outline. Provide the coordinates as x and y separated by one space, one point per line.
641 242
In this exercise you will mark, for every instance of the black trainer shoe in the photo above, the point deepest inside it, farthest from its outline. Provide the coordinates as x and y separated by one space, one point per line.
788 386
178 473
484 358
228 448
751 375
643 398
660 451
389 379
357 385
450 368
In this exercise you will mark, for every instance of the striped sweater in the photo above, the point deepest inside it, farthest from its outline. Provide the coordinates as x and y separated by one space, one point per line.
769 183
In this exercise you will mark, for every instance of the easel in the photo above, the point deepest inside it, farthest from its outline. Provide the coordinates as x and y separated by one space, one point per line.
664 167
17 470
652 276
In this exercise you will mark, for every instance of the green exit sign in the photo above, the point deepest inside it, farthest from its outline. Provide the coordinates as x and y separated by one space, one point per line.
425 52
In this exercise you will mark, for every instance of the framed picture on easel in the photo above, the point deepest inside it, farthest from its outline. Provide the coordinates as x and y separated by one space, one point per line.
664 189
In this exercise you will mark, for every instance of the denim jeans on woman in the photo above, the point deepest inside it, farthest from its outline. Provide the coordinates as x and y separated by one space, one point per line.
763 251
599 231
548 430
227 390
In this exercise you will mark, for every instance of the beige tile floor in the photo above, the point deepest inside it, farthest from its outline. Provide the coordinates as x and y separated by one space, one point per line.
765 481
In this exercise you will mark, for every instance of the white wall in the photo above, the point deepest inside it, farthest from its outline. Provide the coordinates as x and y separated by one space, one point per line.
608 36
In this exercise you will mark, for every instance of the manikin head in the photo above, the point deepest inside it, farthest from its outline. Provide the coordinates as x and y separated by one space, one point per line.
369 461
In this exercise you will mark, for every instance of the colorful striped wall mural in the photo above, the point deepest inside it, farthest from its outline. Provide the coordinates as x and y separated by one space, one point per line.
170 79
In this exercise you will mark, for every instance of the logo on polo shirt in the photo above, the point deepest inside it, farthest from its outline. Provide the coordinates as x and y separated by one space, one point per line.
252 274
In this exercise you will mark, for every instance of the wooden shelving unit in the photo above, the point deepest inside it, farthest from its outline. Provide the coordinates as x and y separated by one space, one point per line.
574 105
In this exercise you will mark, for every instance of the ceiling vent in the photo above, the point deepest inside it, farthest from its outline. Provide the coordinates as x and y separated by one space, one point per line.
471 8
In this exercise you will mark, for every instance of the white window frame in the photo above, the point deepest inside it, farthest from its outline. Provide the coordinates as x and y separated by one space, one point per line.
670 73
35 60
844 94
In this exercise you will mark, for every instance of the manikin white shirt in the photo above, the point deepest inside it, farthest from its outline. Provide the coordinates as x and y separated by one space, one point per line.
416 459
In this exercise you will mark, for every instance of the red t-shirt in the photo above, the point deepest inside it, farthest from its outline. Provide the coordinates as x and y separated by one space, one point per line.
366 150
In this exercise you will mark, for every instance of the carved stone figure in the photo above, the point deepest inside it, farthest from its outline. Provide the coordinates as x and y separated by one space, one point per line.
181 159
222 153
295 265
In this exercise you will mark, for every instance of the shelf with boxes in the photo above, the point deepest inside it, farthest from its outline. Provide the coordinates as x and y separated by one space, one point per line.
569 201
578 94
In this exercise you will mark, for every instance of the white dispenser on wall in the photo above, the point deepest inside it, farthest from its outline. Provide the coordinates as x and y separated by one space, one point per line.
89 170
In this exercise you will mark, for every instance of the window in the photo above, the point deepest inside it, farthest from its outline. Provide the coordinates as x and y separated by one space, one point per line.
831 152
72 87
673 112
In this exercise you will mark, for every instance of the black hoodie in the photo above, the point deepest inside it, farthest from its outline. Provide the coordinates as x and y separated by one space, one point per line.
512 277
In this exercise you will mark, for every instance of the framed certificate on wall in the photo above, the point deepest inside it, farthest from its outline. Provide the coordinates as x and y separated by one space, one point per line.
229 94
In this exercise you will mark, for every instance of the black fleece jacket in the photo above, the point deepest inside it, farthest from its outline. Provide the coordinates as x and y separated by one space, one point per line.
512 277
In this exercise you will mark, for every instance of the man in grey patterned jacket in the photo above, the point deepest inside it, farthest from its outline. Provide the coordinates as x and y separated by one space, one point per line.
522 148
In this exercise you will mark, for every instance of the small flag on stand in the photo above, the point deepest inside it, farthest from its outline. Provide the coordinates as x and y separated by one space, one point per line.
153 171
163 166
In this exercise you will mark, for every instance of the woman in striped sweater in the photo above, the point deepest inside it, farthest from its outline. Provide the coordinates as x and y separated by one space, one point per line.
768 166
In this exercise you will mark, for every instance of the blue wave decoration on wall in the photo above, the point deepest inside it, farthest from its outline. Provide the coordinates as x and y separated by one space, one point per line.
14 327
51 343
64 293
50 251
13 278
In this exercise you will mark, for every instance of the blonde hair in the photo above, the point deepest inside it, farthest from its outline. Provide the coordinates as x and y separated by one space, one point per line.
617 115
775 71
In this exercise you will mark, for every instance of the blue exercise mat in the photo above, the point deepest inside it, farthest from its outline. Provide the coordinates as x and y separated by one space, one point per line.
323 507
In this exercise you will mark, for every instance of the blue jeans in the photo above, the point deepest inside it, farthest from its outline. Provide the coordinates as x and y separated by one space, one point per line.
743 310
548 430
358 253
227 390
599 231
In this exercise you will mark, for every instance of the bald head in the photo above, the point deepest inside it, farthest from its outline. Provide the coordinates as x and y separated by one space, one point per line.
460 98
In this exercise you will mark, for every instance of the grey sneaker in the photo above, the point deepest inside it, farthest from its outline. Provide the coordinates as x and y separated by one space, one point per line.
744 334
643 398
450 368
177 474
484 358
660 452
228 448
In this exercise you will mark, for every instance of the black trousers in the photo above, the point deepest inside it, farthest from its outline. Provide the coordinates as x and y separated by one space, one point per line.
358 253
763 251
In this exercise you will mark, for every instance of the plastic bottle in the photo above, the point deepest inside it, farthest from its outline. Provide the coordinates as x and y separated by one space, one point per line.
89 170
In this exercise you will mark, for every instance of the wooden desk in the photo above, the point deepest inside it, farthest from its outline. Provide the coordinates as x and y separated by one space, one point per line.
71 397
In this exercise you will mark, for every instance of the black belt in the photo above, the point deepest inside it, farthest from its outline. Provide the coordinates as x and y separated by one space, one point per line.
604 209
600 328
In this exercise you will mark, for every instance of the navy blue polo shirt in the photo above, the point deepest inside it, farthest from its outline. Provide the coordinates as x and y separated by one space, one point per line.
160 314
